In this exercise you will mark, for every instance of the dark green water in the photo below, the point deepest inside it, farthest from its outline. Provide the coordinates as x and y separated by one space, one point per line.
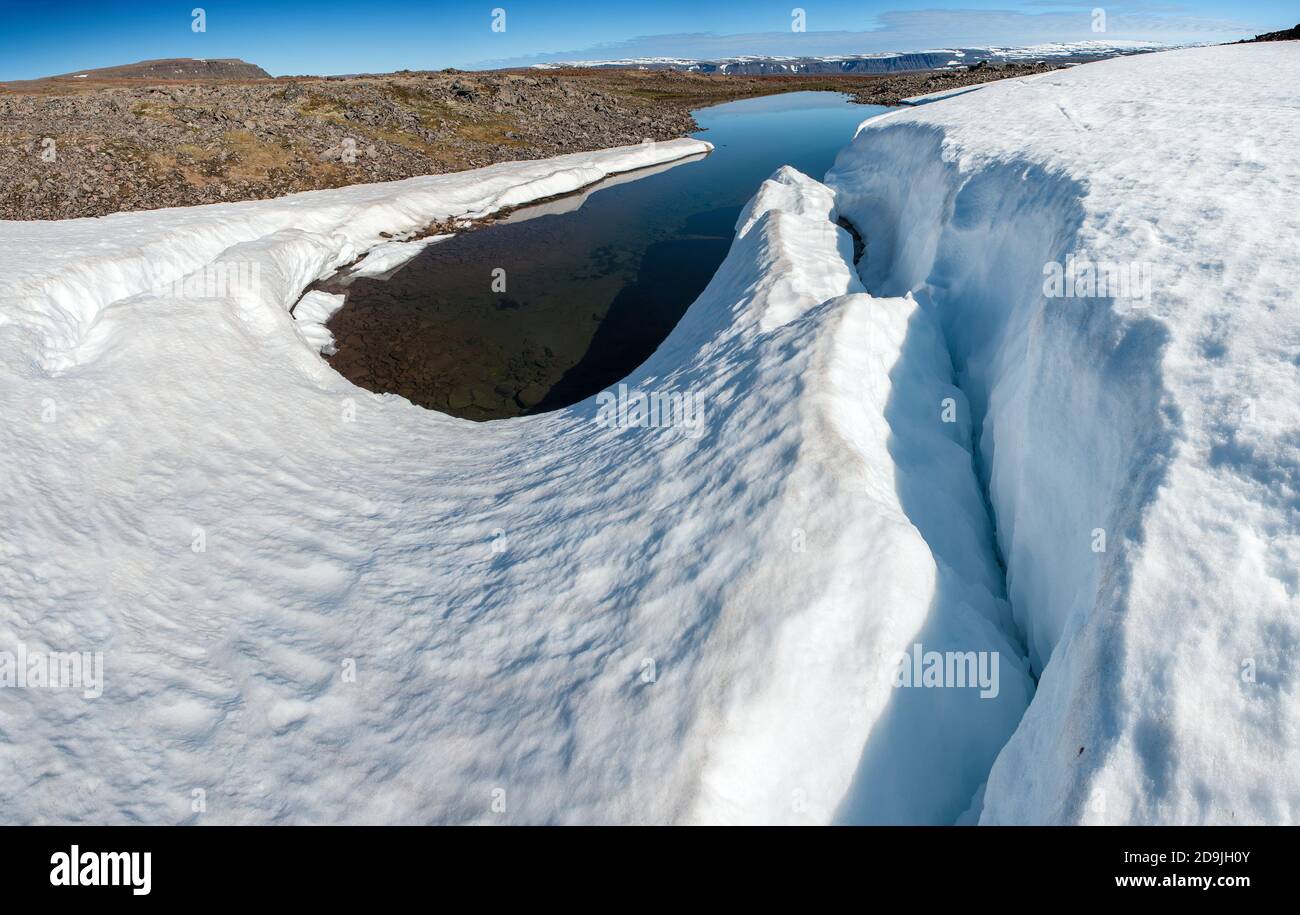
589 293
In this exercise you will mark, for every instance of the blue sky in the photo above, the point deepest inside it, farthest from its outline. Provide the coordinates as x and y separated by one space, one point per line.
331 36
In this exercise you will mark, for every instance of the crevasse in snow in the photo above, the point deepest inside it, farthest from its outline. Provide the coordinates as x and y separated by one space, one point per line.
1139 453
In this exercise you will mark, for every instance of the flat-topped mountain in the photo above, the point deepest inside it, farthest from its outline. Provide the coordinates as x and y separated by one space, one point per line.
184 68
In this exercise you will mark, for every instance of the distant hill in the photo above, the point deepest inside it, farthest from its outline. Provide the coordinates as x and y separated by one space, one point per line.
1292 34
183 68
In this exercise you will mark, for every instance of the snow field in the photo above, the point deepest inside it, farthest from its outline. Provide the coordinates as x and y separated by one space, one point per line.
322 605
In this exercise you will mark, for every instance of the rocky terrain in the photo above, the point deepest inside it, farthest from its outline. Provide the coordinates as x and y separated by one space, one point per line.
73 147
893 90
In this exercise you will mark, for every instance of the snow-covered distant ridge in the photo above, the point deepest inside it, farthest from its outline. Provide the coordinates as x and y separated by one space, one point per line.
882 62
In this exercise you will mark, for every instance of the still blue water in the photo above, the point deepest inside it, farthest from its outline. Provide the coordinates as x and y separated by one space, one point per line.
589 293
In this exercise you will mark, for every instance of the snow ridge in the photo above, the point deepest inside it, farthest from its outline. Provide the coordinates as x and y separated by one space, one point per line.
61 275
1108 426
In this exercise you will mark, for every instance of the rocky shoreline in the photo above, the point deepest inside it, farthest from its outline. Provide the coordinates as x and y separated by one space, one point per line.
103 145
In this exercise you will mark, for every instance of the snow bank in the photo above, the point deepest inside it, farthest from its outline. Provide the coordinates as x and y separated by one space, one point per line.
386 258
312 313
60 275
316 604
1139 453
